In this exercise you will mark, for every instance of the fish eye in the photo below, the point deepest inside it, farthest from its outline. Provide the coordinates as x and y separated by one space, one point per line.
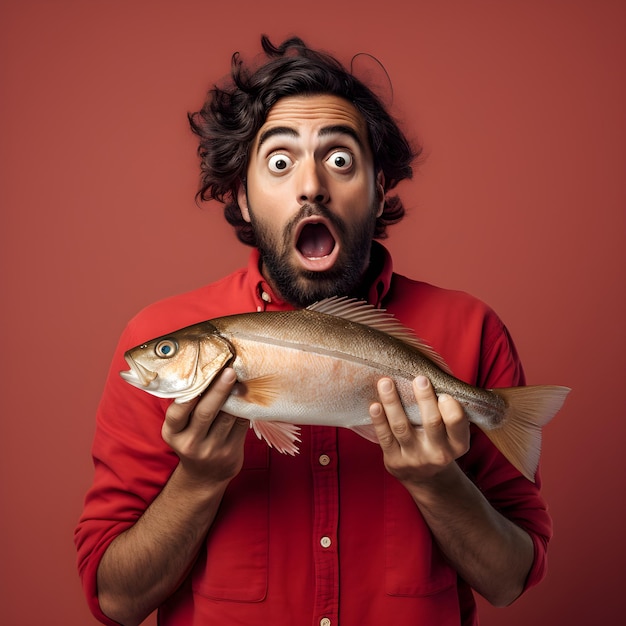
278 163
166 348
340 160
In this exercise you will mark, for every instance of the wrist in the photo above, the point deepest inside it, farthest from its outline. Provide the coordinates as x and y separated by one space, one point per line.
197 486
436 485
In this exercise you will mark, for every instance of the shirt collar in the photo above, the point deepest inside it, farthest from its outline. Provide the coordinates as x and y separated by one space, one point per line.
381 270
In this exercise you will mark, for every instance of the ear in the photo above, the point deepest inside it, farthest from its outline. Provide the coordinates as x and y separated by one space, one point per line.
242 201
380 192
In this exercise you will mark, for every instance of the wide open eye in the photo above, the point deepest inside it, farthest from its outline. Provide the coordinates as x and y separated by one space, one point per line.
166 348
278 163
340 160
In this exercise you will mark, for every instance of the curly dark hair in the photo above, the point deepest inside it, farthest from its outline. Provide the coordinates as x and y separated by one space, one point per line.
233 114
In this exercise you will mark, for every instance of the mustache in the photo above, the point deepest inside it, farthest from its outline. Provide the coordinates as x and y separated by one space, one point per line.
314 210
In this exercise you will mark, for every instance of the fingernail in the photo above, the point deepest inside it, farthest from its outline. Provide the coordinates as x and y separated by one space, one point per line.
444 397
385 385
228 375
375 409
422 382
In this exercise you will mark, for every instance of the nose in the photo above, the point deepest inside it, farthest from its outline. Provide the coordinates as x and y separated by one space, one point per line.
312 185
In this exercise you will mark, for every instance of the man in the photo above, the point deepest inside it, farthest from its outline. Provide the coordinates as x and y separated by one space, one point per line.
191 514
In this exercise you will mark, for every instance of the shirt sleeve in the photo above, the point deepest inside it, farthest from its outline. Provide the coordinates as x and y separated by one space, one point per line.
510 493
132 463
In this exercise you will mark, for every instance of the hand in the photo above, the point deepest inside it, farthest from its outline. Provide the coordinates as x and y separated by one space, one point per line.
208 441
417 454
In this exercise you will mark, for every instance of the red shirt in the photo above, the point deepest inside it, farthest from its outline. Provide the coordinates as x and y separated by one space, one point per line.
328 534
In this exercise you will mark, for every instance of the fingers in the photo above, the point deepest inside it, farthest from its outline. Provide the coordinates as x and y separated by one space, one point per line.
208 442
444 423
177 417
432 420
456 424
207 410
391 424
196 429
197 416
442 438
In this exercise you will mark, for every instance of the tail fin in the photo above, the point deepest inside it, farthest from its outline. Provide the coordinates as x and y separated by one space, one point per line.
519 436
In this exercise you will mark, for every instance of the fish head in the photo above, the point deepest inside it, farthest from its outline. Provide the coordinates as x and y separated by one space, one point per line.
180 365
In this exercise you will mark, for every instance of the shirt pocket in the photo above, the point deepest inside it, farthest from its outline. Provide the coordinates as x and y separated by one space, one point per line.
414 565
233 564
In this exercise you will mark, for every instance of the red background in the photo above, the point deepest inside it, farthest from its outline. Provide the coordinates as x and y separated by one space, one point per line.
521 201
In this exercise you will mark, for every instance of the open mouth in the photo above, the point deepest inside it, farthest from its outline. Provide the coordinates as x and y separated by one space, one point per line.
138 375
317 244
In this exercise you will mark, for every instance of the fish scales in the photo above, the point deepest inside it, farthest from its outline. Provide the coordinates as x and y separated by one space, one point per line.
350 347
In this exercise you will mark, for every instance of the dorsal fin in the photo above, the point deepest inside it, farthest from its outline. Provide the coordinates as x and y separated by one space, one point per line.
361 312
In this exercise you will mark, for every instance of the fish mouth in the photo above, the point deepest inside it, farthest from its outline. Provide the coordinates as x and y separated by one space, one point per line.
316 244
138 375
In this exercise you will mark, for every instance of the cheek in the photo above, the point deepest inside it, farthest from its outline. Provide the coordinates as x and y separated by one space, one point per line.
266 225
360 200
271 211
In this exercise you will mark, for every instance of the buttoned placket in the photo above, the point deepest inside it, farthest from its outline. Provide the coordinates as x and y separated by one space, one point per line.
265 298
324 467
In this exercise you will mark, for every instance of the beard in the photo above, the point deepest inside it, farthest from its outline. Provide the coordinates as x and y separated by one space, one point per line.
301 287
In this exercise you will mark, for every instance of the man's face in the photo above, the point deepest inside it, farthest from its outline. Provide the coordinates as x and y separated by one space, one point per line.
312 197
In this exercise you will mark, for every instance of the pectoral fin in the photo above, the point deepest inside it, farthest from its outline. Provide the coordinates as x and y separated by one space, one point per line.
262 391
278 435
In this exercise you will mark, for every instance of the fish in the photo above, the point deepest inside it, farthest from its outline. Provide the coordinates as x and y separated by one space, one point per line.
320 365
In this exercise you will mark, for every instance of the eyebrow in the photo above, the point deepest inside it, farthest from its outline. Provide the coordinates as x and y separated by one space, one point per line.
339 129
277 130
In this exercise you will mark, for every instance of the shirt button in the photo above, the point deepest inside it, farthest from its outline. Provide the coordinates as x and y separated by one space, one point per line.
324 621
324 459
325 542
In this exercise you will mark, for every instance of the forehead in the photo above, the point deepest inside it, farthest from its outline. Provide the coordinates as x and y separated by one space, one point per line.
314 113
